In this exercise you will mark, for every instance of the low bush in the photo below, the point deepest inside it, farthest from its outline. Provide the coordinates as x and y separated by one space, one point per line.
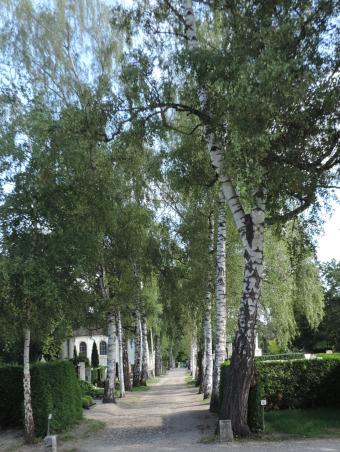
290 384
87 389
87 401
280 357
329 356
55 390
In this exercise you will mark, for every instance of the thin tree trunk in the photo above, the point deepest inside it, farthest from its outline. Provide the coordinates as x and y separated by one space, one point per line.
28 412
109 390
193 356
145 354
158 363
137 368
151 356
120 348
221 312
208 370
200 370
126 365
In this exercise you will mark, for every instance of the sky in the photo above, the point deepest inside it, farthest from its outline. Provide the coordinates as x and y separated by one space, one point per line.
328 244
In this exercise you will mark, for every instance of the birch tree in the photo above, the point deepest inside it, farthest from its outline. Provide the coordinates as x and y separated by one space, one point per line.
221 309
254 112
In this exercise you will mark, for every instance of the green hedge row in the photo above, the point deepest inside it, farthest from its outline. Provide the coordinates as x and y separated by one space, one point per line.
329 356
55 390
290 384
280 357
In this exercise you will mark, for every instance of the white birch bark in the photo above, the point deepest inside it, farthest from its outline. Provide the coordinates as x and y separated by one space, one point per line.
145 353
137 369
250 228
121 362
208 370
109 390
158 361
193 356
151 356
28 412
221 311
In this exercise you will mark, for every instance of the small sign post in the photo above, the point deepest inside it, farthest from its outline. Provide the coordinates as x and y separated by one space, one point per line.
48 424
263 404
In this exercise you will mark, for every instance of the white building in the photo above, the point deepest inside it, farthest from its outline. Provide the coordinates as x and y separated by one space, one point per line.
83 340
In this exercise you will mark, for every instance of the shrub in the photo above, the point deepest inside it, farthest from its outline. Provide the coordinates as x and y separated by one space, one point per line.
11 396
280 357
87 389
329 356
87 401
54 390
290 384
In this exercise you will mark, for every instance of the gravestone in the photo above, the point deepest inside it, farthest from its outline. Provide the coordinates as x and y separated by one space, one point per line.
226 432
81 367
50 443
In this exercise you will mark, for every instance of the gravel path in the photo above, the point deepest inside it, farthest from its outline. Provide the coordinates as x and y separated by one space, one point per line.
171 416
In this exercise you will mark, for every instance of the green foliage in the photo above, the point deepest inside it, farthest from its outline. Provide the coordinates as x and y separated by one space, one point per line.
290 384
280 357
94 355
316 422
86 401
335 356
296 384
11 396
55 390
87 389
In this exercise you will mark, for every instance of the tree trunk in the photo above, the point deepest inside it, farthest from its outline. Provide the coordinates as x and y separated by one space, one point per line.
208 370
109 390
151 356
158 364
240 375
193 356
145 354
28 412
120 348
200 367
126 365
137 368
221 312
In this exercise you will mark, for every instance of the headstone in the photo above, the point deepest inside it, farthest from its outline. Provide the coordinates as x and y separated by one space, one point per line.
50 443
226 432
329 352
88 374
82 371
258 351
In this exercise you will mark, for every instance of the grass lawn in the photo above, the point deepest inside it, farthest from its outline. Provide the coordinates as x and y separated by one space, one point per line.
317 422
189 380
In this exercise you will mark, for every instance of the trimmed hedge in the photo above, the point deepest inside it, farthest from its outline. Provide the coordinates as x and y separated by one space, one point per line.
11 396
55 390
291 384
280 357
329 356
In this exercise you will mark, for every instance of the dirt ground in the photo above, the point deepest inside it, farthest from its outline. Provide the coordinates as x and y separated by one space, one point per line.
171 416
